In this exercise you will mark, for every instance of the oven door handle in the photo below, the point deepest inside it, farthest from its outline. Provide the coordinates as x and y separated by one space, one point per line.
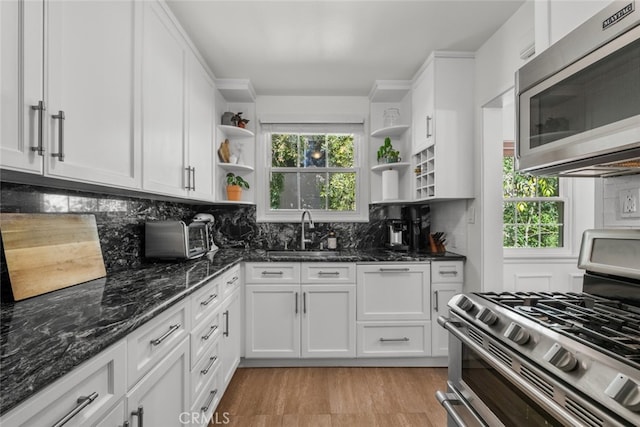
449 401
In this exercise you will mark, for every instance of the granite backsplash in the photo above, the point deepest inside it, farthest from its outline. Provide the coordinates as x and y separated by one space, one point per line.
121 221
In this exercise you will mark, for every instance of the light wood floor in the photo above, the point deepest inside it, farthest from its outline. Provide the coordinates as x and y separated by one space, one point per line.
333 397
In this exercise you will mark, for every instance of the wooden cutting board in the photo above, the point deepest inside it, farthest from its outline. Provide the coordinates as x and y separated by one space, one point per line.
46 252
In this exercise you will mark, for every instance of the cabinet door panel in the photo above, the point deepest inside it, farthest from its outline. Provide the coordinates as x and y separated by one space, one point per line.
231 337
442 293
394 292
91 75
394 339
163 68
163 393
272 321
18 122
328 321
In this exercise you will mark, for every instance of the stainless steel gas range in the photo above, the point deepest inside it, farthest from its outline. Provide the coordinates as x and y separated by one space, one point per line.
551 358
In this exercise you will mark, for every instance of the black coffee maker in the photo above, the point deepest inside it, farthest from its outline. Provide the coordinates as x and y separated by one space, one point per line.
396 229
418 219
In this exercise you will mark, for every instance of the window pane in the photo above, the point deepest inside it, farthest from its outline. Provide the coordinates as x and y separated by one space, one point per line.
341 192
284 150
283 190
314 151
340 151
312 188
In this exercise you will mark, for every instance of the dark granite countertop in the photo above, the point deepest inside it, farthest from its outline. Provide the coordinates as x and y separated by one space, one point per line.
45 337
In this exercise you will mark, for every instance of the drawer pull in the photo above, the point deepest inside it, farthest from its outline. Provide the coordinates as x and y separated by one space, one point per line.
212 396
272 273
403 339
212 360
234 280
211 331
83 402
304 302
448 273
226 323
435 298
139 413
328 273
171 330
296 298
391 270
208 301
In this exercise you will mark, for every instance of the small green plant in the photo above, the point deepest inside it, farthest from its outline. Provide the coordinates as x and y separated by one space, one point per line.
386 152
233 179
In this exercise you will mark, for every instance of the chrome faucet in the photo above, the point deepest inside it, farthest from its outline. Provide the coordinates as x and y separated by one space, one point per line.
303 240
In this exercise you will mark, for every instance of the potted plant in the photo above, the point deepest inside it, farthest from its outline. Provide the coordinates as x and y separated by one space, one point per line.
235 184
386 153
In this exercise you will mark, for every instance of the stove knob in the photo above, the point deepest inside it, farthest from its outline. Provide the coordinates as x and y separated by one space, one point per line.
625 391
464 303
561 358
517 334
486 316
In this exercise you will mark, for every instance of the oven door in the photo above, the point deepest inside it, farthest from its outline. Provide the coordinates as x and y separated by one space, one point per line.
490 385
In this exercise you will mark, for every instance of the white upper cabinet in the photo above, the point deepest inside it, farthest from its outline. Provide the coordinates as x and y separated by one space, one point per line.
84 129
442 140
163 98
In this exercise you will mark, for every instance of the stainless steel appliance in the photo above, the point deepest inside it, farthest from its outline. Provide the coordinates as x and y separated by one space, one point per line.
550 358
177 240
578 102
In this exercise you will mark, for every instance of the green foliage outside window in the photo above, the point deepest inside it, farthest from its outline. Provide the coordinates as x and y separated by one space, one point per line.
532 213
315 170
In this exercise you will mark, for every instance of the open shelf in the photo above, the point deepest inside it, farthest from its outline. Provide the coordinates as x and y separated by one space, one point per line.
234 167
387 166
236 131
390 131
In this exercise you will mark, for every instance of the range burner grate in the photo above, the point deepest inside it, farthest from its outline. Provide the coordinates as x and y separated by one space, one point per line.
606 324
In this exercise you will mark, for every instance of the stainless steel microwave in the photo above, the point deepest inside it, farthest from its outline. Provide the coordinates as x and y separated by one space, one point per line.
175 240
578 102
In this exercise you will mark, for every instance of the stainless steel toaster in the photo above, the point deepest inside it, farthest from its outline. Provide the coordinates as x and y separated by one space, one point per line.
176 240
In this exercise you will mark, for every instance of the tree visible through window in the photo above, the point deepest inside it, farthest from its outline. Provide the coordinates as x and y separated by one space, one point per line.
312 171
532 210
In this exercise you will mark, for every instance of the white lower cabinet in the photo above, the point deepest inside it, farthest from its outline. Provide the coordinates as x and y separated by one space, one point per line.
161 398
311 315
447 279
82 397
394 311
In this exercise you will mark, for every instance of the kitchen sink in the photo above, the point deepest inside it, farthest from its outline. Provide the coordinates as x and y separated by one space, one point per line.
304 254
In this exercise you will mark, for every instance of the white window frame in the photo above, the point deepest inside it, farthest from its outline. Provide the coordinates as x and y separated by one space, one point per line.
264 213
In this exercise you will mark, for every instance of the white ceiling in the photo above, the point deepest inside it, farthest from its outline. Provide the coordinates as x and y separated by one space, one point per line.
333 47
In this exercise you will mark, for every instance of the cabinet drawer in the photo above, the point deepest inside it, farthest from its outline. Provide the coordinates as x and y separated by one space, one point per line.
336 272
102 378
394 339
153 340
230 281
204 335
207 401
204 301
447 271
273 273
203 371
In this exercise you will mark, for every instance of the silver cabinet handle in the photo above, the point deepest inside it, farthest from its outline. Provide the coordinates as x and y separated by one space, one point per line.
448 273
304 302
40 108
83 402
188 180
139 413
296 298
212 396
226 323
390 270
403 339
328 273
232 281
125 424
272 273
208 301
193 177
429 134
212 360
60 153
212 329
171 330
435 299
